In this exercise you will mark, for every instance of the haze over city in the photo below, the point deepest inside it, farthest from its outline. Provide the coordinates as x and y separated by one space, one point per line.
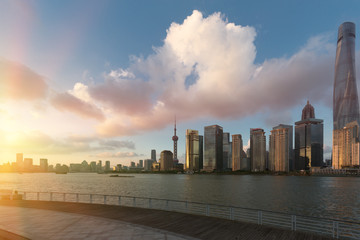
104 79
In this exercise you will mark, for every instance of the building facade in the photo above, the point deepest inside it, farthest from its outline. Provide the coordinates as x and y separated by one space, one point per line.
213 147
153 155
238 153
309 140
345 98
193 161
166 161
44 164
346 146
280 148
227 155
257 149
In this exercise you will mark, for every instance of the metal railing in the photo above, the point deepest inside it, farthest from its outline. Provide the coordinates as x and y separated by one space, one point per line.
329 227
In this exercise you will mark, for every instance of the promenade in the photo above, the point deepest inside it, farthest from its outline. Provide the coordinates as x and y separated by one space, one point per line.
64 220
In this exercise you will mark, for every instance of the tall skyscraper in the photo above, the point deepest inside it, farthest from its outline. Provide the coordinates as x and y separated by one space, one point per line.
175 139
280 148
238 153
257 149
345 98
107 166
309 140
166 161
193 151
346 146
153 155
227 156
213 147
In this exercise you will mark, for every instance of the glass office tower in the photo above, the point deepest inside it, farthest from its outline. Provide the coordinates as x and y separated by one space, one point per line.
257 149
345 98
309 140
213 147
194 147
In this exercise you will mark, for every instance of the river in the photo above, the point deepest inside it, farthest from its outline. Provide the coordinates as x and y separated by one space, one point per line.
329 197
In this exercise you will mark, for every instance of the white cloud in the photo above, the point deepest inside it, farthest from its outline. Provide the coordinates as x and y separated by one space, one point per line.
205 68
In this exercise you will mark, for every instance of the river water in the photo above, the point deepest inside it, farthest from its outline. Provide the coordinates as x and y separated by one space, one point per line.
329 197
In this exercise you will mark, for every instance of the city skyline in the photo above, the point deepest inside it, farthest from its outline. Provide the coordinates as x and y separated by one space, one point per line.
98 84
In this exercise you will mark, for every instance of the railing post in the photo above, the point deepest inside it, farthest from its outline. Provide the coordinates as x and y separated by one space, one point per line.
64 197
335 229
207 210
231 213
149 202
167 204
51 196
104 199
91 201
77 197
293 222
186 206
260 217
134 202
119 200
38 196
24 195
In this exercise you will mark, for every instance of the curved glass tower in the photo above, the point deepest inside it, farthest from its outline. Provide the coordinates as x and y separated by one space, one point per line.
345 98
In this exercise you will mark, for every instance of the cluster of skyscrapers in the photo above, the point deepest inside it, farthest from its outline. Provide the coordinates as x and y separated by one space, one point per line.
214 151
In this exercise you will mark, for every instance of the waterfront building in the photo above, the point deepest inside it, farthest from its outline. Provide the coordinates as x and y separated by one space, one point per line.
166 161
201 152
155 166
19 160
280 148
44 164
213 145
107 166
93 166
346 146
132 164
227 156
141 163
75 167
153 155
99 166
345 98
28 164
257 149
237 152
193 151
309 140
84 166
148 164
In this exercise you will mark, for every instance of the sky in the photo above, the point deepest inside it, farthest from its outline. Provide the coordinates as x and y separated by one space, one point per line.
103 80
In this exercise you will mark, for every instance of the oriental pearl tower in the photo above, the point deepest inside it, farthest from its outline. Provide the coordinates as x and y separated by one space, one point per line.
175 139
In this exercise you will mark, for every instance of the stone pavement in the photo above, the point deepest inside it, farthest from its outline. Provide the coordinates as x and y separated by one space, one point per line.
70 220
47 224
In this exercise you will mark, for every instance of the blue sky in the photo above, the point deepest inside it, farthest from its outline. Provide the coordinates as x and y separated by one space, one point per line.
91 76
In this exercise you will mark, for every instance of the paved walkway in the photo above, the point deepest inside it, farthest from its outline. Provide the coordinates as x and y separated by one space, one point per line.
67 220
47 224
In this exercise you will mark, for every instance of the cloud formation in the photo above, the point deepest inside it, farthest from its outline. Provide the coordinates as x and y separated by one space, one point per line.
206 68
20 82
68 102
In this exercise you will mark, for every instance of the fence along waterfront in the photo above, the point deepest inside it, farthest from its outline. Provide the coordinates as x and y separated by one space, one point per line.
329 227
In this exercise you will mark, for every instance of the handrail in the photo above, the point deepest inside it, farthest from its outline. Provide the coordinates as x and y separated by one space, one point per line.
211 204
324 226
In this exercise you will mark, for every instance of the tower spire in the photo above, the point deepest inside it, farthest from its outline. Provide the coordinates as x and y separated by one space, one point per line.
175 139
